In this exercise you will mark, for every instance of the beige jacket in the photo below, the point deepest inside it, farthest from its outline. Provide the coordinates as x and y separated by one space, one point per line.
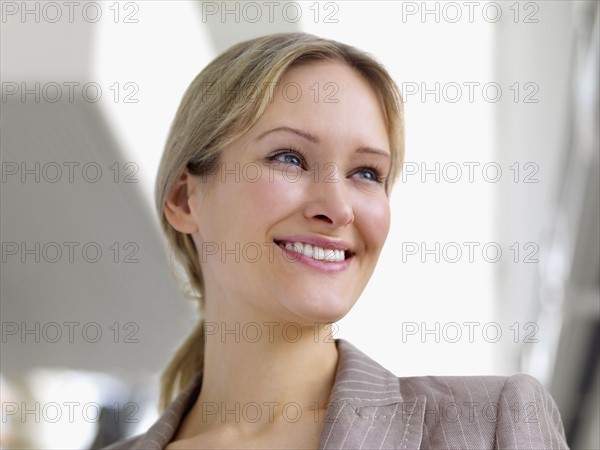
370 408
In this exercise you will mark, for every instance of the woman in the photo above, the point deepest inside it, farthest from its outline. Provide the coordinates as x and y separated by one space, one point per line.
273 193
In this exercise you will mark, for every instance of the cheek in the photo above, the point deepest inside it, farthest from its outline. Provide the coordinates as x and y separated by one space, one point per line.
373 219
246 210
272 196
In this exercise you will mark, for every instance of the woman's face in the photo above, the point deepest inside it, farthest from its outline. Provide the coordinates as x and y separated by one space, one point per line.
311 171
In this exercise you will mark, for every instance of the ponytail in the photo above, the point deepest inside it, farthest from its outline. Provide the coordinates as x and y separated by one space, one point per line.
185 364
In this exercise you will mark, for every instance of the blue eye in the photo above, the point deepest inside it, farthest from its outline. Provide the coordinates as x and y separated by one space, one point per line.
288 156
371 174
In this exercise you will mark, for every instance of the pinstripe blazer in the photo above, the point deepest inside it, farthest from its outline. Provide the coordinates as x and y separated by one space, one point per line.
370 408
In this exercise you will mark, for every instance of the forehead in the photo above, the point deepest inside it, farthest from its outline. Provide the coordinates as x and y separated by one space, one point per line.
329 99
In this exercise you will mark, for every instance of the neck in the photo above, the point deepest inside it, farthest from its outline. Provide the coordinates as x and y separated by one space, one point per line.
271 368
256 366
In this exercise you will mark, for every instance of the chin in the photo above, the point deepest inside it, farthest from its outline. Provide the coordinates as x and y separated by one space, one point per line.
321 309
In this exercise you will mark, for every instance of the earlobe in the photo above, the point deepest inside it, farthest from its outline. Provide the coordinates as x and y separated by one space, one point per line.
176 209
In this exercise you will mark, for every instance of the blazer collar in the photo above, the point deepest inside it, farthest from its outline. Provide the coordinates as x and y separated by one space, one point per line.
162 432
365 410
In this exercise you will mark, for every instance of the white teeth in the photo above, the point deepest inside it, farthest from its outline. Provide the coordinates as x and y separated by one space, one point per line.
315 252
319 253
329 255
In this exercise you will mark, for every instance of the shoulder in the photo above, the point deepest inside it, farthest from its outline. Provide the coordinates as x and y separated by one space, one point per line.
528 416
491 411
492 389
453 388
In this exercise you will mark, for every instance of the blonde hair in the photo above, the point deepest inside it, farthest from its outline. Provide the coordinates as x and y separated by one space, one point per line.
221 104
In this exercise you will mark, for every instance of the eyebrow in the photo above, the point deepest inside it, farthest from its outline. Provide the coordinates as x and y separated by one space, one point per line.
377 151
304 134
312 138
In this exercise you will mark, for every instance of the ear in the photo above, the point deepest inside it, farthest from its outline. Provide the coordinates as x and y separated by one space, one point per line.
177 210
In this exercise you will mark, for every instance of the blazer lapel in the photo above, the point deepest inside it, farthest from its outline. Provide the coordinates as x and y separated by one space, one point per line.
366 408
162 432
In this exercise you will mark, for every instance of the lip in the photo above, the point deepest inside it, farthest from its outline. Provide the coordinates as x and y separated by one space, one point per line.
332 244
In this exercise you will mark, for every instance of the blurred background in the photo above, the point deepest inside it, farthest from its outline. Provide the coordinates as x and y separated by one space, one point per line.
491 265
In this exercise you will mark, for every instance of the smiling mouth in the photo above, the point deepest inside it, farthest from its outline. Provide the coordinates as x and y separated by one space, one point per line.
315 252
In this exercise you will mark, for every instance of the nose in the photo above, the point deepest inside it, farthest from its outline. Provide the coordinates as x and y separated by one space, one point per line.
329 202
